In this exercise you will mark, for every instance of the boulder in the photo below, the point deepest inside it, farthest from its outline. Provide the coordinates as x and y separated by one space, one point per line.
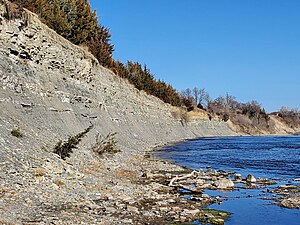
237 177
291 202
250 179
224 183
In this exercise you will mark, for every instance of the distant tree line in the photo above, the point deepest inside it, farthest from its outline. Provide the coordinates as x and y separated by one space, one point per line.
226 107
75 21
290 116
246 115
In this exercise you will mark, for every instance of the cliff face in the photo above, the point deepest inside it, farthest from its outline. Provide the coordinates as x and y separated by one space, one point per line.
51 89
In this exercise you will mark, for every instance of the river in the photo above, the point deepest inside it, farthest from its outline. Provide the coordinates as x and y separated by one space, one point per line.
276 158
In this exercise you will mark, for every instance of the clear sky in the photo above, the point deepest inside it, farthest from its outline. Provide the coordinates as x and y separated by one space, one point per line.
248 48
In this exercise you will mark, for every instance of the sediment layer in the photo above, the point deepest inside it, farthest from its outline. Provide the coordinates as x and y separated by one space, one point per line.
50 90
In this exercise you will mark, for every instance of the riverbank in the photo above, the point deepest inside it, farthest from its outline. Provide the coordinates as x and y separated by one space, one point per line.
111 189
52 90
254 200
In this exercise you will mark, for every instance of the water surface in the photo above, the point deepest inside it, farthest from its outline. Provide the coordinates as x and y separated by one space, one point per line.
276 158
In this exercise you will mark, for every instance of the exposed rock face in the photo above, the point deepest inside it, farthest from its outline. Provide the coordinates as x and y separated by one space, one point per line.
51 89
49 85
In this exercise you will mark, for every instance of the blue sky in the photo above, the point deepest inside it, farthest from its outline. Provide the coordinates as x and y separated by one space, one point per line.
248 48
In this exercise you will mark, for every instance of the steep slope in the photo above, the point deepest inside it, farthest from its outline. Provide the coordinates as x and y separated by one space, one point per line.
45 74
51 89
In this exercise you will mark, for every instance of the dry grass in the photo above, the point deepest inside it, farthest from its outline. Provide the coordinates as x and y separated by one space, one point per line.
2 222
38 172
127 174
105 144
197 114
59 182
94 167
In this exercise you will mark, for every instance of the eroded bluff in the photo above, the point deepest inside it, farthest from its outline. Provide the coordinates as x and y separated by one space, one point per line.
50 90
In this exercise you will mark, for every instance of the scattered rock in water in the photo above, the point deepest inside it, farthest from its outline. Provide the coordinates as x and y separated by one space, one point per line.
205 196
217 221
238 177
193 212
223 214
265 181
292 201
203 186
250 179
215 217
224 183
288 187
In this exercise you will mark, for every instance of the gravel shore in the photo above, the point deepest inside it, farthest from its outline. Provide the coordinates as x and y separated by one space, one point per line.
55 93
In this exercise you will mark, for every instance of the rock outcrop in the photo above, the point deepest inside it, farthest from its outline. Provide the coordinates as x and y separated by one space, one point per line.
51 89
224 183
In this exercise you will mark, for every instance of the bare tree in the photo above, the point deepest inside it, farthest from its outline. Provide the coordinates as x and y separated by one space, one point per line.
203 98
230 101
187 93
200 97
195 92
290 116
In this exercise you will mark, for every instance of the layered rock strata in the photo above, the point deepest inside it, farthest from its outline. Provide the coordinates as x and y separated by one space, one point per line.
51 89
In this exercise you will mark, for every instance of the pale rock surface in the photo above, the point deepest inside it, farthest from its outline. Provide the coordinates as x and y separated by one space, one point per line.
51 89
250 178
224 183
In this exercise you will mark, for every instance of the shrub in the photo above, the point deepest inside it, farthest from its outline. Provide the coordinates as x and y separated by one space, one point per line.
290 116
105 144
75 21
225 117
16 132
64 149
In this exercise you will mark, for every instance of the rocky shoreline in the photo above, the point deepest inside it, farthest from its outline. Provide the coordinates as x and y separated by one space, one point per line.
177 194
191 185
109 190
56 92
